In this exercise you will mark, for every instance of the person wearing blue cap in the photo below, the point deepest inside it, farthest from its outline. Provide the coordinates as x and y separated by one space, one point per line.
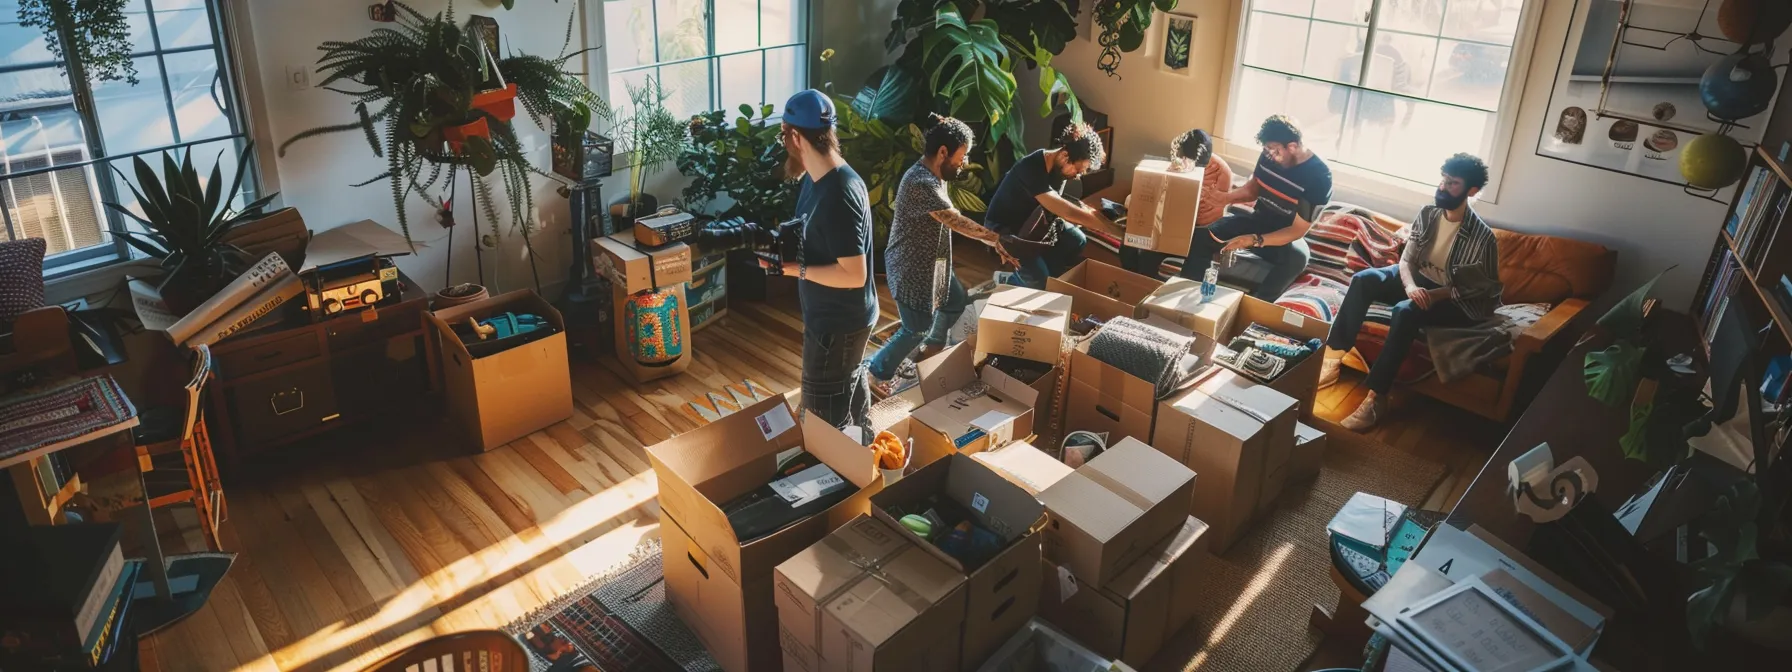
1035 220
839 297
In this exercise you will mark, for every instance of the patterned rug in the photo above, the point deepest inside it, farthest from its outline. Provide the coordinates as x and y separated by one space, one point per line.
1255 604
620 620
732 397
60 411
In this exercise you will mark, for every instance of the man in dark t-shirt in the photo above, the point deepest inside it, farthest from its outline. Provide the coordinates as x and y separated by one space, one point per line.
1289 186
1033 189
839 298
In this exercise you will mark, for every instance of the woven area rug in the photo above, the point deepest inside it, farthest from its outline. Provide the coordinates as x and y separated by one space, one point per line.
1255 604
620 620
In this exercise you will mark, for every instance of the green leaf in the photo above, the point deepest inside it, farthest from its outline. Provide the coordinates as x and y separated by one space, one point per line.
891 98
1635 442
1625 319
1611 374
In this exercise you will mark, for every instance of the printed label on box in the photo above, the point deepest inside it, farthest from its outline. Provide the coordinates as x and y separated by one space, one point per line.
1293 319
775 422
979 502
1066 584
1142 242
808 485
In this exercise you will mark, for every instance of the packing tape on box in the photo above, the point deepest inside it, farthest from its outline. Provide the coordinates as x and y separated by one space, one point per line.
871 568
1130 495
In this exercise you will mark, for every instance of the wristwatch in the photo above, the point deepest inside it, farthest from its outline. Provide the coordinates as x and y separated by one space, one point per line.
1256 240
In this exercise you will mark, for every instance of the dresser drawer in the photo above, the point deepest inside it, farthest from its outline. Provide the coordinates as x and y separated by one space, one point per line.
276 407
354 330
285 350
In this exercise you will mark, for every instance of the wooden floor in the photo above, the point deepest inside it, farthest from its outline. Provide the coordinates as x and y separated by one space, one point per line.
389 536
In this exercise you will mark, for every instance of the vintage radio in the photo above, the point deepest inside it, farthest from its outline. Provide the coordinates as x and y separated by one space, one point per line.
349 285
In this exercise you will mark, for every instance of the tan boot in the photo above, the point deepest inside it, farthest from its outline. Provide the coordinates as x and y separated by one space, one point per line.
1368 414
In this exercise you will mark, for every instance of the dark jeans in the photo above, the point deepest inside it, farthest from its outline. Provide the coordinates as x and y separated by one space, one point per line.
1382 285
919 326
1054 262
834 386
1286 262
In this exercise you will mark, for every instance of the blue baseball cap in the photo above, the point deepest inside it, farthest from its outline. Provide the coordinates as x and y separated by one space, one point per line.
809 109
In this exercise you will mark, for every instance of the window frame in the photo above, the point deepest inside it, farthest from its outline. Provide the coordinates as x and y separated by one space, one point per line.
598 70
72 262
1243 152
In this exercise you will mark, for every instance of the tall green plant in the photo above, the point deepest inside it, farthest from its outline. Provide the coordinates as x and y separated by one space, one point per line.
95 31
741 161
183 220
650 135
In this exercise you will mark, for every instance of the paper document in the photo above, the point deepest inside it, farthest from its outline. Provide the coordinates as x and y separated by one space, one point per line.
1367 519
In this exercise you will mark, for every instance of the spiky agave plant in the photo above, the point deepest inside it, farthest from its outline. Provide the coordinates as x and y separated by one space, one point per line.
420 81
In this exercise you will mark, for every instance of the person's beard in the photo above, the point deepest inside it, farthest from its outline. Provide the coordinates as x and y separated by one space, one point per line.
950 172
793 162
1447 201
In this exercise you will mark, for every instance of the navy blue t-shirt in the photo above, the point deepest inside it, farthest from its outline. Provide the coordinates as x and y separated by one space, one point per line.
838 215
1018 195
1285 193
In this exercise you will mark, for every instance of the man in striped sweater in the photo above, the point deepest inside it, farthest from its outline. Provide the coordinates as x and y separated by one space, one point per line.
1448 275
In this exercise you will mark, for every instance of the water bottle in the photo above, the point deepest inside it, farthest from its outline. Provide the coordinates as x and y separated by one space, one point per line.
1210 281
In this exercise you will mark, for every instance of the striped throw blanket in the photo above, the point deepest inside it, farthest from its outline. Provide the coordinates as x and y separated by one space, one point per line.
60 411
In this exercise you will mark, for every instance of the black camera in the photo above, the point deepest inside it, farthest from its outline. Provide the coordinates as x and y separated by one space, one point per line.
775 244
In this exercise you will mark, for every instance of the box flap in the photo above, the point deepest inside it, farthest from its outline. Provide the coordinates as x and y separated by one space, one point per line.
884 599
1262 402
1010 386
1032 305
834 448
947 372
1028 466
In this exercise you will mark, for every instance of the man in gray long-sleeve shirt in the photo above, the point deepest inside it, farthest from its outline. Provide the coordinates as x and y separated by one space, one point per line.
1449 274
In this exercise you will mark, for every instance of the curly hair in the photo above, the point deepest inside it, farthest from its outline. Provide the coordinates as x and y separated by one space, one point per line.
1082 144
945 132
1195 146
1469 167
1279 129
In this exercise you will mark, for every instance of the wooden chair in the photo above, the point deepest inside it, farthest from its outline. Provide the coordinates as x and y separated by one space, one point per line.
472 651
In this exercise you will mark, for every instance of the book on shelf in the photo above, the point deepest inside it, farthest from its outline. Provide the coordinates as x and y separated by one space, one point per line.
1756 178
1776 381
283 289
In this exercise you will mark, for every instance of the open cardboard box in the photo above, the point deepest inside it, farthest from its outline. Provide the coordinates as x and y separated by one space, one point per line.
1106 292
507 395
1302 380
720 586
866 598
1104 399
1002 594
953 420
1109 512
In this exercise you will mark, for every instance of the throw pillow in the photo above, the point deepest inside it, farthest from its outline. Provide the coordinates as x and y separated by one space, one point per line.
21 277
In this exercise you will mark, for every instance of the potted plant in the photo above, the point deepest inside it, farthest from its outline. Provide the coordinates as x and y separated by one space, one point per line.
183 223
1743 585
426 84
95 31
742 161
650 136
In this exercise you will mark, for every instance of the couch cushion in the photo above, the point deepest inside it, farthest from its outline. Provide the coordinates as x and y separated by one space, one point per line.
1548 269
21 277
1346 239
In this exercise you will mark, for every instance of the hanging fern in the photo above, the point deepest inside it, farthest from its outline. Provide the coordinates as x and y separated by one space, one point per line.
102 37
419 77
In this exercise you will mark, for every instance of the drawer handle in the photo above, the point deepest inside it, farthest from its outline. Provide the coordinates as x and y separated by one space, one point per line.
294 399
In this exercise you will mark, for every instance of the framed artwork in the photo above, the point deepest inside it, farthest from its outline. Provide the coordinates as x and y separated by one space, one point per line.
1179 43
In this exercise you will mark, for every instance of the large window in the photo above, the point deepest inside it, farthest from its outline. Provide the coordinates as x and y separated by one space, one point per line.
1389 86
708 54
57 150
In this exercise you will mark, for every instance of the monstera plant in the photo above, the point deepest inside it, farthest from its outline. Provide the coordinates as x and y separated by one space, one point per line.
882 152
429 94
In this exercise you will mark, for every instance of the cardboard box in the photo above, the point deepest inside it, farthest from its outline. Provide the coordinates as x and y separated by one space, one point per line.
1309 453
866 598
627 262
1103 291
967 411
1302 380
1024 323
1160 212
1179 301
1103 398
721 587
1039 646
1226 429
1132 616
1002 593
1025 466
638 371
505 396
1107 513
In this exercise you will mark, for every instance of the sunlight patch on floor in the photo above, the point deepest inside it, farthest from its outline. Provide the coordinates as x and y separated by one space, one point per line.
1258 584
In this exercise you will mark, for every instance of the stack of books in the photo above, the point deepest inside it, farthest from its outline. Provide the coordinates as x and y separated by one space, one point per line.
75 614
251 301
1755 222
1727 279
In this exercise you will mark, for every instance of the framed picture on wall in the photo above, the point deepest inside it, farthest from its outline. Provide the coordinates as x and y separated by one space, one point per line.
1178 43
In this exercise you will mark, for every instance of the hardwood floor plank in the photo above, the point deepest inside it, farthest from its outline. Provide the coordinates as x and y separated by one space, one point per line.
510 508
379 540
558 476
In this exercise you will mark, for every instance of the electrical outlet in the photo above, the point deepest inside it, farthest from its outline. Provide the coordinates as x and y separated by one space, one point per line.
298 77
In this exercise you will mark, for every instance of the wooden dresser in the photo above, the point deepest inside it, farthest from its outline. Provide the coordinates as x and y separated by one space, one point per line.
286 383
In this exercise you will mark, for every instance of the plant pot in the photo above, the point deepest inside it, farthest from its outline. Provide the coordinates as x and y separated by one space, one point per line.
457 295
500 103
624 212
195 280
457 135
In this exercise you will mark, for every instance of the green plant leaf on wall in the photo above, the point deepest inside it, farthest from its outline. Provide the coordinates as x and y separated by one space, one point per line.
970 67
891 99
1612 373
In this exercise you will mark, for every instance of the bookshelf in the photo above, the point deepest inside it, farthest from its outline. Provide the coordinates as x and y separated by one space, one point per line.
1751 261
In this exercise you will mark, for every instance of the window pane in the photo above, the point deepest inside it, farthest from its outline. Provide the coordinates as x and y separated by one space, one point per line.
18 44
1336 52
191 76
683 29
743 77
689 85
781 22
1402 63
1347 11
1470 74
786 72
27 90
1318 107
624 20
1295 7
136 17
1493 21
1414 16
737 25
182 23
134 117
1411 139
1274 42
61 207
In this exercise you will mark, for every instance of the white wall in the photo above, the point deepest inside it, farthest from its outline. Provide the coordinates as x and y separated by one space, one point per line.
1652 225
316 173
